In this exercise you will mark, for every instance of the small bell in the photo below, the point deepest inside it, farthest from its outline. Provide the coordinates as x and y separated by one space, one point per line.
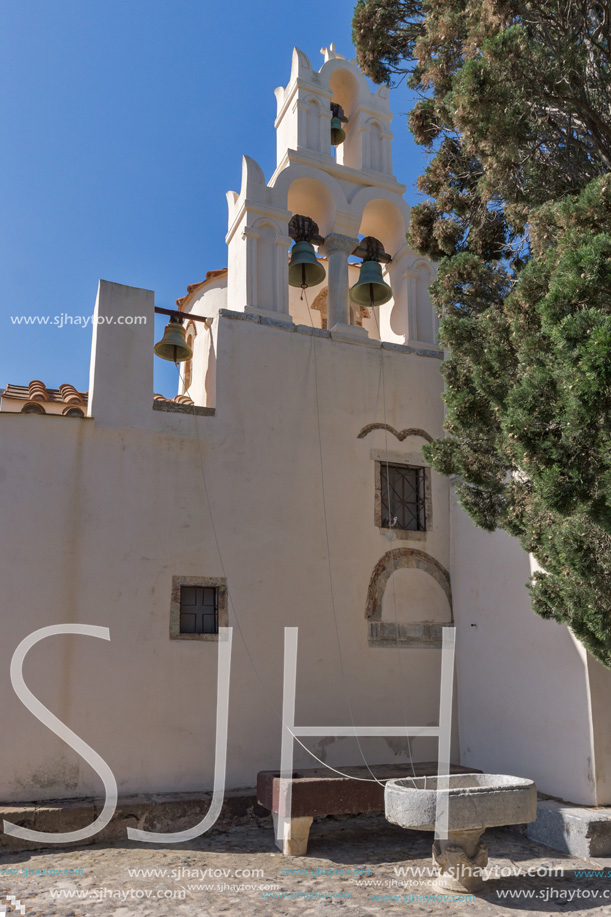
173 345
370 289
305 270
338 134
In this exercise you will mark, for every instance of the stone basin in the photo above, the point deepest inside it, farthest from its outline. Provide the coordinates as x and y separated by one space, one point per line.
475 802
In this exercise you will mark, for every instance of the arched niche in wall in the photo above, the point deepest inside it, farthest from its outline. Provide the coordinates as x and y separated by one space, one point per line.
313 198
409 600
266 265
373 158
426 320
313 127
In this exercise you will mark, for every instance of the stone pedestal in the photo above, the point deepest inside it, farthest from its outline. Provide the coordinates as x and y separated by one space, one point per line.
294 842
460 859
459 808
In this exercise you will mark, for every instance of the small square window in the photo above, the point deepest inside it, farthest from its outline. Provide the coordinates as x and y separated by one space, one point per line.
199 608
402 497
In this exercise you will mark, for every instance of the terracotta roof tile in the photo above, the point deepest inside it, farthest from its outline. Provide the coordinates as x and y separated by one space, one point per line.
177 399
37 391
195 286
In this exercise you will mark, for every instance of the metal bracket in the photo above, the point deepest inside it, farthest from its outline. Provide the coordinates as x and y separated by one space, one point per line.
370 249
304 229
338 112
179 317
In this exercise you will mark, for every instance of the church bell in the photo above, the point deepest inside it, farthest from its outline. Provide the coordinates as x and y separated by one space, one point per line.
173 345
370 289
338 134
305 270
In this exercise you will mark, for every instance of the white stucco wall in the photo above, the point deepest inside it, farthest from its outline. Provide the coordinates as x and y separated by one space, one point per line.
524 698
102 512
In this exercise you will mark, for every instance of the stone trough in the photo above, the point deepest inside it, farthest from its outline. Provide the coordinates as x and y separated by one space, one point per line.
474 802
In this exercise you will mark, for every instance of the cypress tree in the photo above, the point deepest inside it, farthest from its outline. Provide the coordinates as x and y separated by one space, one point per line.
514 107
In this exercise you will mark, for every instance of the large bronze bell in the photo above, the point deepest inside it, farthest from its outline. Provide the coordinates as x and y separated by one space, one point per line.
173 345
370 289
305 270
338 134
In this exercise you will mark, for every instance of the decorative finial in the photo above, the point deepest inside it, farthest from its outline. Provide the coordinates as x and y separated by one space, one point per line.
331 53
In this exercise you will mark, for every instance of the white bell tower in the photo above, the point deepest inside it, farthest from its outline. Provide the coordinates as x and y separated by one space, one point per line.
349 191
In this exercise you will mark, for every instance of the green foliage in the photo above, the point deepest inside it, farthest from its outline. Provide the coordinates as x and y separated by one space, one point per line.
515 110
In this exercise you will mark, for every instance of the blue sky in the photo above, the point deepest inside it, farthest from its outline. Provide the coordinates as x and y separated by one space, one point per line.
124 124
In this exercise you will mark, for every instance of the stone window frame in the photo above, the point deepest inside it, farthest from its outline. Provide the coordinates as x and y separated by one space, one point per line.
410 460
215 582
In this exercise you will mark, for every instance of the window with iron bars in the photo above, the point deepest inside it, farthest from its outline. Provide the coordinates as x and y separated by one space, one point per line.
402 497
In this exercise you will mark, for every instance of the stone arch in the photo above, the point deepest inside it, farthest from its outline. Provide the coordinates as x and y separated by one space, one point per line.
400 434
398 559
416 634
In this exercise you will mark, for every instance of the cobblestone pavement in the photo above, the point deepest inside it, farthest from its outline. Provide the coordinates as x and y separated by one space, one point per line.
352 870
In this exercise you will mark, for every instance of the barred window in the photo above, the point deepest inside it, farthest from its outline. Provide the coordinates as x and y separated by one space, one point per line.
402 497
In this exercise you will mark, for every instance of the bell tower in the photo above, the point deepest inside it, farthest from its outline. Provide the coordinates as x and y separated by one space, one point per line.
304 114
347 190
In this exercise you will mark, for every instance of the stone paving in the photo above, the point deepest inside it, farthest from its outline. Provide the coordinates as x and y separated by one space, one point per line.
352 870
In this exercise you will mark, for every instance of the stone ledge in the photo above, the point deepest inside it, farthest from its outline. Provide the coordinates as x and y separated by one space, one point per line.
418 636
239 316
174 407
285 324
407 348
149 812
313 332
573 829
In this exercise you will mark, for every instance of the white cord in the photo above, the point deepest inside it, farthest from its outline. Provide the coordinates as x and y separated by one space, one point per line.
233 608
392 555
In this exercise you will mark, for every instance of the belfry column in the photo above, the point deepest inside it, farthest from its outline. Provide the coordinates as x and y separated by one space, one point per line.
338 248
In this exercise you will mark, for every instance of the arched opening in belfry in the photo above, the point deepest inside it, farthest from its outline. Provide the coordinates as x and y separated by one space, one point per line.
384 221
313 199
